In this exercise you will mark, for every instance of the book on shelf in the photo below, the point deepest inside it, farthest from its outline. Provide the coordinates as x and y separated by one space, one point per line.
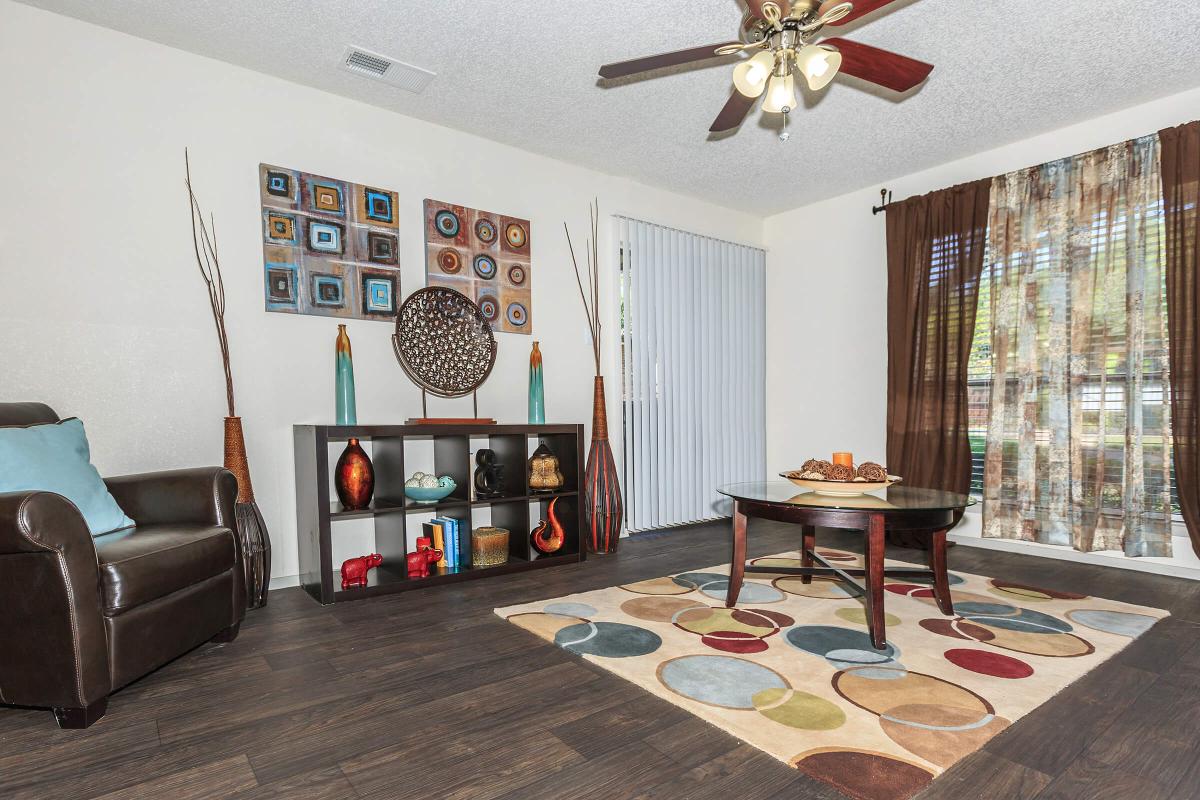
433 530
462 534
451 540
459 551
449 525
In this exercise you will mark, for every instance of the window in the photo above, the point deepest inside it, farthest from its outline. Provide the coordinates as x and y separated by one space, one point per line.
1101 386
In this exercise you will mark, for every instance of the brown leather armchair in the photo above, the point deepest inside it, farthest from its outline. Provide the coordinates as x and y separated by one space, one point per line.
80 617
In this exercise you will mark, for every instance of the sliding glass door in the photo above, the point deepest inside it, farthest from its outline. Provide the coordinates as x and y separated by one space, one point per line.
692 347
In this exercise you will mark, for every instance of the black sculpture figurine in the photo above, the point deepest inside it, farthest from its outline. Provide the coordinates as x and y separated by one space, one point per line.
488 474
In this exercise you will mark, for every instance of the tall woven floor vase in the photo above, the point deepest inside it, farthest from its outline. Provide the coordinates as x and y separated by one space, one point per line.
256 543
602 506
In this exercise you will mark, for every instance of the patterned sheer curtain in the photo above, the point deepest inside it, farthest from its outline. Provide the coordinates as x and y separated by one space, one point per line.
1078 439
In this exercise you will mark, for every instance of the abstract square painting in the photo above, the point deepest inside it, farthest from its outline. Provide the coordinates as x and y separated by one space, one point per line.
483 255
330 247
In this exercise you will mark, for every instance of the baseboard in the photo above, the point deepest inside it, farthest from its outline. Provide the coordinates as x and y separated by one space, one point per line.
1068 554
285 582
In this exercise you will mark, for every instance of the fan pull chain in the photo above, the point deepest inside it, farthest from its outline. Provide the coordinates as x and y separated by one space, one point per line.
785 134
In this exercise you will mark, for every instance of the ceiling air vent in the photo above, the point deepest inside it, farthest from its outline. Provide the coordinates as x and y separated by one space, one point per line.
389 70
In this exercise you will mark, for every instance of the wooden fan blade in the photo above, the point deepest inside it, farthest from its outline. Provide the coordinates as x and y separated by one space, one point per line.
890 70
636 65
756 7
861 9
733 113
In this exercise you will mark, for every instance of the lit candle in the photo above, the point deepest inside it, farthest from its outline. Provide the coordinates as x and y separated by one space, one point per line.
844 458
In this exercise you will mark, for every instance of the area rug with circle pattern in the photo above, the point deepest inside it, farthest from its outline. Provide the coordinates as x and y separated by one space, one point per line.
792 671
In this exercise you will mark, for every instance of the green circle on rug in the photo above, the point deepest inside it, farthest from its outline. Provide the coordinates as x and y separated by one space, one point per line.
722 681
798 709
858 615
658 608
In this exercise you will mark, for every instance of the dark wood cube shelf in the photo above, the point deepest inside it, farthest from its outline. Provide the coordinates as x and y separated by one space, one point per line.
317 508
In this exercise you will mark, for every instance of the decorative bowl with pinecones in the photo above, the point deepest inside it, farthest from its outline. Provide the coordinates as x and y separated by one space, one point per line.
841 480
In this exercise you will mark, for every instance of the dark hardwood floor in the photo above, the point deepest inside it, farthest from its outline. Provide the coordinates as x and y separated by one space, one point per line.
427 694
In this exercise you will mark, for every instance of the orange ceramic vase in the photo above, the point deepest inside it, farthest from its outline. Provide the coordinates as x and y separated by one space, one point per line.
354 477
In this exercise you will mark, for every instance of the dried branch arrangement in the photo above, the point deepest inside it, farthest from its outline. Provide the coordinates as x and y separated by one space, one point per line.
204 242
590 297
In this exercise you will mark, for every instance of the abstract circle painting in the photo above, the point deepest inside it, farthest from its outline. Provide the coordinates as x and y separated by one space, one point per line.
485 256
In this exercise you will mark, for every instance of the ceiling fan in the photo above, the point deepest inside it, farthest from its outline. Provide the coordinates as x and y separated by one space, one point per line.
784 33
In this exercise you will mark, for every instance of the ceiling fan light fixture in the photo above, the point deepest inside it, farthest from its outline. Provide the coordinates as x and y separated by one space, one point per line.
750 76
819 65
781 94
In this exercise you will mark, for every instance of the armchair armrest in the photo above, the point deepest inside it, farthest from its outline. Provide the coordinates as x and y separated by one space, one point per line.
204 495
51 623
201 495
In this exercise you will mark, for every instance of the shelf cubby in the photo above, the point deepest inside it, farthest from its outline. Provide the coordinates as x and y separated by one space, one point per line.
399 450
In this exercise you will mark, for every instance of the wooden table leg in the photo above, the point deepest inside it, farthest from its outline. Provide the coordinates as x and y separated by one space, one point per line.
810 542
941 581
874 581
737 563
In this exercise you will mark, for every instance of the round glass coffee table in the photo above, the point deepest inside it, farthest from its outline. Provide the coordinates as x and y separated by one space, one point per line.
897 508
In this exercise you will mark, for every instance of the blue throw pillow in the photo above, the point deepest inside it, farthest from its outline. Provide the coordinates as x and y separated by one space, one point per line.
55 457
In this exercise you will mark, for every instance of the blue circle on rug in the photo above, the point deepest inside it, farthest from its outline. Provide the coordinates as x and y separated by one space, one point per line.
608 639
1024 621
581 610
722 681
1122 623
839 645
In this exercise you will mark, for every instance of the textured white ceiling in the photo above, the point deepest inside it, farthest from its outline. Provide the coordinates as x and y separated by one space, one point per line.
524 72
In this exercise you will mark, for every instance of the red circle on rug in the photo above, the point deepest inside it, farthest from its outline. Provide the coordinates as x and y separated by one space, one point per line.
734 642
985 663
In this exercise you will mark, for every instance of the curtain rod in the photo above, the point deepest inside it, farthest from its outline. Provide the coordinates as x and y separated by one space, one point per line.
885 197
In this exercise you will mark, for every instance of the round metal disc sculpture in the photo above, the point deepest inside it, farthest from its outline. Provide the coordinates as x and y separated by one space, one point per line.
443 342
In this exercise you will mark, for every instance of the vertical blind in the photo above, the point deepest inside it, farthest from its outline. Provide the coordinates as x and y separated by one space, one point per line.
692 313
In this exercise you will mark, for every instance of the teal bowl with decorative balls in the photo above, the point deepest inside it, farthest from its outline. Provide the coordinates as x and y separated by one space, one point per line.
422 488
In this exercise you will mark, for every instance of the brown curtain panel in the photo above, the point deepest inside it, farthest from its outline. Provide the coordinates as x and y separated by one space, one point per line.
935 248
1180 155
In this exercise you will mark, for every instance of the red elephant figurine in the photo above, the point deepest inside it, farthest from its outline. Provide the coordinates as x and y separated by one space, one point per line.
420 562
354 570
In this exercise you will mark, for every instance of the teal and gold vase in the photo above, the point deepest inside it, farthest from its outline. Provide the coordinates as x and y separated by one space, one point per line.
344 380
537 397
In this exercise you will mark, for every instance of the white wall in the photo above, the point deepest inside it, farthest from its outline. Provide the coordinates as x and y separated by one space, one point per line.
827 314
104 316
